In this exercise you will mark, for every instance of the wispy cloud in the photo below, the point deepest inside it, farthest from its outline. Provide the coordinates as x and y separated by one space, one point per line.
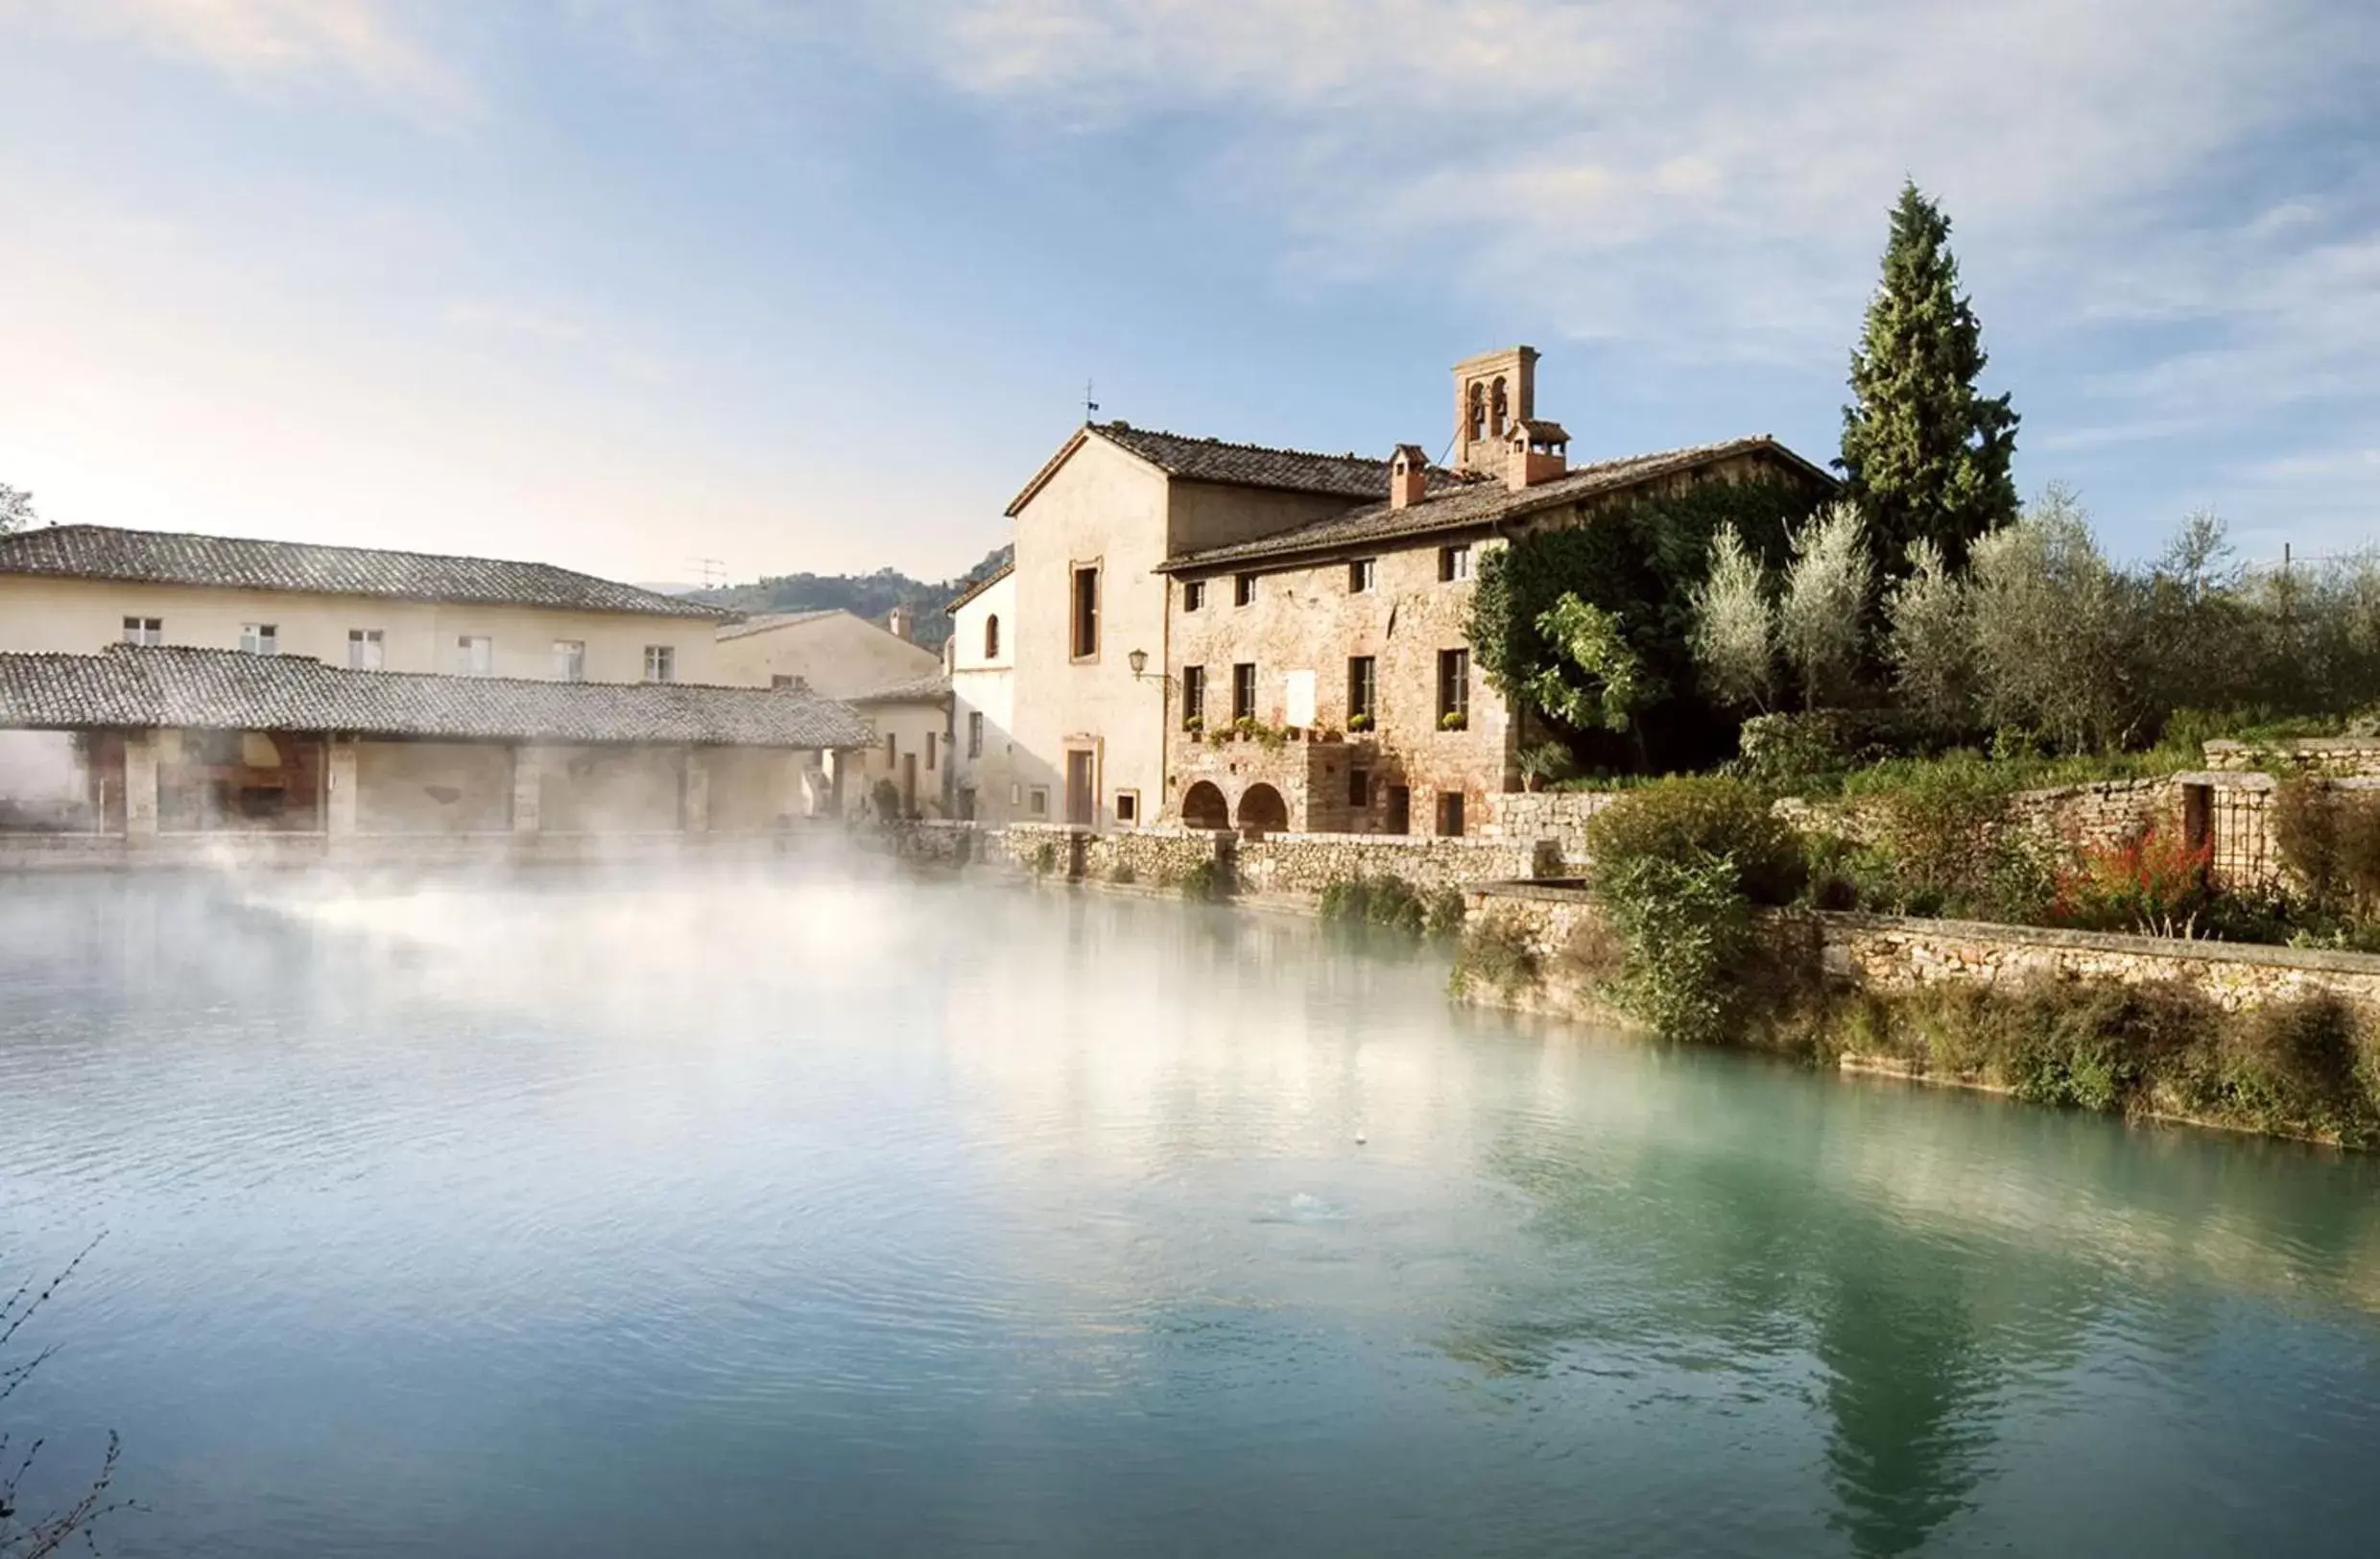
261 44
1623 159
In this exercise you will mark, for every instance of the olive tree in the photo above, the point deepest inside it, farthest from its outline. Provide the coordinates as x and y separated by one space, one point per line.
2055 630
1734 629
1820 616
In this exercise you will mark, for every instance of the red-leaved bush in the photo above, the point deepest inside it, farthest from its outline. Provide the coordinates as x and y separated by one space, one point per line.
2154 884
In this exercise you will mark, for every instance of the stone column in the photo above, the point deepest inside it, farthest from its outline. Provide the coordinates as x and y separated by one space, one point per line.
528 782
340 816
694 813
140 784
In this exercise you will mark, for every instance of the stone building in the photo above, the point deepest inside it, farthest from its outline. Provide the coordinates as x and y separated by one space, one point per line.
168 743
1319 677
895 684
1093 527
77 589
987 782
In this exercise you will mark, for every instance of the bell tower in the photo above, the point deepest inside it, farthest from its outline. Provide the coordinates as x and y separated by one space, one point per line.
1492 392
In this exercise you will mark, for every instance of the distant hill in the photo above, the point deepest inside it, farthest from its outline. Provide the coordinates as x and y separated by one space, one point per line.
865 595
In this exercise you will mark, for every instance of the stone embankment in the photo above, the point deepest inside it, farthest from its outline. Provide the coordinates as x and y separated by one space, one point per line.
1895 952
1291 868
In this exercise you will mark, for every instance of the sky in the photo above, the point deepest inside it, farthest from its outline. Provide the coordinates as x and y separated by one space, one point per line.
627 285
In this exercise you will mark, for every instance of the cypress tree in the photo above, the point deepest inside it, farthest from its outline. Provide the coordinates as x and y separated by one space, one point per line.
1923 454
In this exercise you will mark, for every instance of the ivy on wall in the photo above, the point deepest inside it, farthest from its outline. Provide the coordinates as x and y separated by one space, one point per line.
1638 564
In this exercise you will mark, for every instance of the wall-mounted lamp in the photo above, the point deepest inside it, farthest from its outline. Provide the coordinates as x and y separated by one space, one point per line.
1139 661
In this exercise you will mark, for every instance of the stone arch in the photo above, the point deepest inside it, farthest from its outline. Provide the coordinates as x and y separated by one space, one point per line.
1262 809
1479 410
1497 406
992 637
1203 806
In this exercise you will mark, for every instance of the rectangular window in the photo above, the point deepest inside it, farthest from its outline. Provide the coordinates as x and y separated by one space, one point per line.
365 649
892 745
475 655
1359 789
929 750
1192 594
1363 691
1362 575
1243 690
660 663
1194 694
1242 589
1085 612
1127 807
144 630
1038 804
260 639
1454 562
1454 688
800 685
570 660
975 733
1450 814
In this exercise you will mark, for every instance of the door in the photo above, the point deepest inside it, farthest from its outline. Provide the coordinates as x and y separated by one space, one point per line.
1400 809
1082 800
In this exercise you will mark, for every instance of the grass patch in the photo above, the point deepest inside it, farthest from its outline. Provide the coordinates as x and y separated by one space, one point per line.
1493 953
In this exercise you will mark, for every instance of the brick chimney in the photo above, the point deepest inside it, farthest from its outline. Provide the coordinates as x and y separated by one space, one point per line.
1535 451
1409 475
898 622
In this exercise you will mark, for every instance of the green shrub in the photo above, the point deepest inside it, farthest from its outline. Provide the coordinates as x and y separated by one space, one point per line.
1390 903
1122 875
1045 857
886 798
1495 952
1689 821
2302 1066
2330 839
1206 883
1686 931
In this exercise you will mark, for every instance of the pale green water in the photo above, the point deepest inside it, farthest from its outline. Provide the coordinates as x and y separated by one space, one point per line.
724 1218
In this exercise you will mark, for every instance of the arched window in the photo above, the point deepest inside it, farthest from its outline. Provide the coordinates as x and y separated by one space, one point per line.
992 637
1478 409
1495 409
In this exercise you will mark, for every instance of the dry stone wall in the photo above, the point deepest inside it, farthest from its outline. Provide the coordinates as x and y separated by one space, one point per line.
1889 953
2336 757
1560 816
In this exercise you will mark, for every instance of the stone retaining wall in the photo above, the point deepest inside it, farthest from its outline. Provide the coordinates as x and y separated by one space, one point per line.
1307 863
1558 815
2341 757
1888 952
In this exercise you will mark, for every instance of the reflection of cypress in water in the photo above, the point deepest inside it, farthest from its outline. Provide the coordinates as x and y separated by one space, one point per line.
1909 1380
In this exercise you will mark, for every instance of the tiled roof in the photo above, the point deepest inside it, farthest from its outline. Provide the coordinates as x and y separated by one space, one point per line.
178 557
1350 476
225 690
1482 503
980 587
774 620
914 690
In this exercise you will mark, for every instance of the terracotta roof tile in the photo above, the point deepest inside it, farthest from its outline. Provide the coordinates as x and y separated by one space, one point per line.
1480 503
180 558
227 690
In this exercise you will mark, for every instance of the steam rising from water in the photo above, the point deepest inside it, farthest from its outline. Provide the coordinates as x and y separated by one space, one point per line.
793 1210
